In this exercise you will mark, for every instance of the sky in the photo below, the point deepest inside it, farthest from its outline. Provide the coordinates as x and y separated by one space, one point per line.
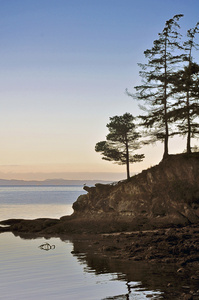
64 68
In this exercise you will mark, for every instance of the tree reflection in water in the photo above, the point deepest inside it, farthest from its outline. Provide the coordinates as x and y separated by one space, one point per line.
142 280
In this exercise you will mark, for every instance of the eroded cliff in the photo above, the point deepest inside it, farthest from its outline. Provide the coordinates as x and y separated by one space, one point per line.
165 194
162 196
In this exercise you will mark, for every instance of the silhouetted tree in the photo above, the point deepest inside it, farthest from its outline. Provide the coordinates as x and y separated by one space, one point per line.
186 88
155 90
121 142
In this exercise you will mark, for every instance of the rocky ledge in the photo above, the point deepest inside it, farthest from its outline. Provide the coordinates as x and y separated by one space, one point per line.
152 217
166 195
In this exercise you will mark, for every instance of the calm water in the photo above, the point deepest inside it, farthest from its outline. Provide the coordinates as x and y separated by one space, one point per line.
29 272
29 202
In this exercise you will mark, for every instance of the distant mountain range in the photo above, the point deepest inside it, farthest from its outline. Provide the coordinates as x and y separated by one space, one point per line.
48 182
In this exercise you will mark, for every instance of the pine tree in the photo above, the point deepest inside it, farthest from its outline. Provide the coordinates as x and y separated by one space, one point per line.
155 90
186 88
121 142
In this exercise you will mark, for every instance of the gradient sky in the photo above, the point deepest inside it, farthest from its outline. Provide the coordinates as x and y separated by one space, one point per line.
64 68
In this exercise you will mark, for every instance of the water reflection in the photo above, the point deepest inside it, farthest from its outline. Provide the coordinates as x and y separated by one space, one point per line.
101 276
142 280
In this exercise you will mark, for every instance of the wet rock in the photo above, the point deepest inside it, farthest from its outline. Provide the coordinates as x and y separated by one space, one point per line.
187 297
110 248
180 270
170 284
194 277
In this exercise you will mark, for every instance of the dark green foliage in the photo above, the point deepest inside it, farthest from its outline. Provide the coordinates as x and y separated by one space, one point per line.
121 141
155 90
186 90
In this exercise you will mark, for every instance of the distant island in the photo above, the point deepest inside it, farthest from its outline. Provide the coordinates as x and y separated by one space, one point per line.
49 182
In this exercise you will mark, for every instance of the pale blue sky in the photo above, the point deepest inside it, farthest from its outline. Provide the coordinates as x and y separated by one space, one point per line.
64 68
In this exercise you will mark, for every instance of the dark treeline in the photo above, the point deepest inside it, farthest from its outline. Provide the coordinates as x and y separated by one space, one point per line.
168 96
170 86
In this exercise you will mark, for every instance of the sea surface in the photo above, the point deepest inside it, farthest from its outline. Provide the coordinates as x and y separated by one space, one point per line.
63 269
30 202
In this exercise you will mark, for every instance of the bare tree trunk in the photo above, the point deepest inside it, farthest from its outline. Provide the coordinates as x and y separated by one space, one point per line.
166 138
188 126
188 108
128 170
127 158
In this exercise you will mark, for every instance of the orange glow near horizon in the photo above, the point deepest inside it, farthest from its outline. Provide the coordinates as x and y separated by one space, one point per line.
63 74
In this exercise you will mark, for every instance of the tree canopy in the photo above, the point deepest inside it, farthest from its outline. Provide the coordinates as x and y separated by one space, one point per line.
169 97
121 142
169 93
185 87
155 90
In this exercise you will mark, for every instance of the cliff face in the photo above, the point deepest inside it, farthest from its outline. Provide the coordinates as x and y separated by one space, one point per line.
165 194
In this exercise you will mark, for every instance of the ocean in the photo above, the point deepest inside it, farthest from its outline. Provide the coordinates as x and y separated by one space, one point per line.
55 271
30 202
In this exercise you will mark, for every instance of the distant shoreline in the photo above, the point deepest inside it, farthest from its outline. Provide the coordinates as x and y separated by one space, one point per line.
50 182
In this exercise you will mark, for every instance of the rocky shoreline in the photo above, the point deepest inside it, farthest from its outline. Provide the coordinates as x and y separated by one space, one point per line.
152 218
176 248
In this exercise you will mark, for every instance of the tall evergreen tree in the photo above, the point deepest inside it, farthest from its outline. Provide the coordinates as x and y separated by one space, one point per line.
186 88
155 90
121 142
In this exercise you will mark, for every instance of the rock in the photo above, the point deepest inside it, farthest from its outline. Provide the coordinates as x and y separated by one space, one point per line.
164 195
170 284
194 277
180 270
187 297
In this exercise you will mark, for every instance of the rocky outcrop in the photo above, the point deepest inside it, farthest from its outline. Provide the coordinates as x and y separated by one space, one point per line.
162 196
165 194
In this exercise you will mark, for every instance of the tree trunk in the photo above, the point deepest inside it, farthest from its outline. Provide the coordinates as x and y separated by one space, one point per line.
188 126
128 170
127 158
188 108
166 138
